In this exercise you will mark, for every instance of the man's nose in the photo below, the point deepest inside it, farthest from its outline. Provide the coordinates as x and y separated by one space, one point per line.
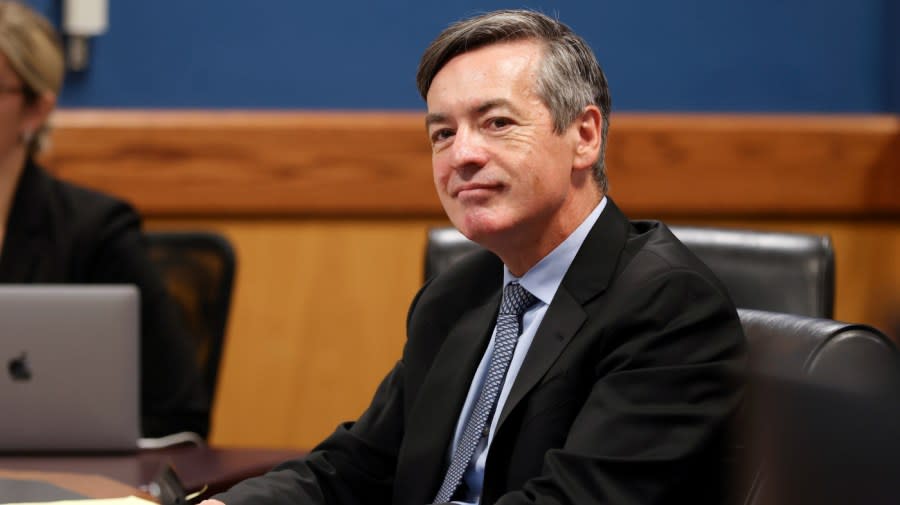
468 149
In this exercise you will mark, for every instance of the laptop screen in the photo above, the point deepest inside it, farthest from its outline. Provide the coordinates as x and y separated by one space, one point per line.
70 358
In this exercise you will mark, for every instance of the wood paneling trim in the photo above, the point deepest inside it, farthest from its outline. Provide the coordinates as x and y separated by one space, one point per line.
253 163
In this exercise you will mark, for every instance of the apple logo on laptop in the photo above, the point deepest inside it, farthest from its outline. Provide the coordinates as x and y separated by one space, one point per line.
19 369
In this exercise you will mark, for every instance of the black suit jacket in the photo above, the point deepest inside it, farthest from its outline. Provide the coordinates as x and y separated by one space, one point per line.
624 396
59 233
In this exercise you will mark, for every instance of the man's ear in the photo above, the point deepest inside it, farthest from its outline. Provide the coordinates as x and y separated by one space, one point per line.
588 126
37 113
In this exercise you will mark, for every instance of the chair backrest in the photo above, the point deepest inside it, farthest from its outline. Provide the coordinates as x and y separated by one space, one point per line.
795 356
198 268
781 272
774 271
444 247
827 352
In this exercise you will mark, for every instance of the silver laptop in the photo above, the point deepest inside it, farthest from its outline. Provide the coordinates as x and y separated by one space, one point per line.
70 376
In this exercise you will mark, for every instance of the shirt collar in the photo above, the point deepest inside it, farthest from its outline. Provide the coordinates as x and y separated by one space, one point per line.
544 278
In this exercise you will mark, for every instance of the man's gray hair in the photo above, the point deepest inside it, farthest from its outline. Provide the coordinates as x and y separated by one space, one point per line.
570 78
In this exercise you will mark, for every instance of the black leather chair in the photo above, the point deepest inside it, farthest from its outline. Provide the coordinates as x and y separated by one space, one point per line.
827 352
198 268
775 271
809 377
781 272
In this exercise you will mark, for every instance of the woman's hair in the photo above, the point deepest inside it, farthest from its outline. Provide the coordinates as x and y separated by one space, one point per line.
34 51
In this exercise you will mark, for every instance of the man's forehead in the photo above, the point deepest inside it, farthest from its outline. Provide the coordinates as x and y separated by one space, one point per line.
496 51
485 78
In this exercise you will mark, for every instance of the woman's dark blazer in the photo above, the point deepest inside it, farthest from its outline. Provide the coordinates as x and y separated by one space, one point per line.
61 233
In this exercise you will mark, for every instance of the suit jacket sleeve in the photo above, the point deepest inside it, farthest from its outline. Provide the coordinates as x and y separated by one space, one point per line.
355 465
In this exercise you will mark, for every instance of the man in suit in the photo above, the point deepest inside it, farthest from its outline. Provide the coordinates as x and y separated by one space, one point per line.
584 359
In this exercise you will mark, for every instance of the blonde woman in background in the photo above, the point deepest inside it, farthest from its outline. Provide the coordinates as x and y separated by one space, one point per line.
54 232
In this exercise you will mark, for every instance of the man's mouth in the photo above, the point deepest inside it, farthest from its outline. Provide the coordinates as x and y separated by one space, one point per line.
475 189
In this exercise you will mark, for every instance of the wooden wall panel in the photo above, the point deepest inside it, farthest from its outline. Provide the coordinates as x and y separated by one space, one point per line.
378 164
775 166
261 164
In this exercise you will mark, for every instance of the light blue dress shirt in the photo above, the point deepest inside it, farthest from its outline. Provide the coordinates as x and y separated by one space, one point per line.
542 281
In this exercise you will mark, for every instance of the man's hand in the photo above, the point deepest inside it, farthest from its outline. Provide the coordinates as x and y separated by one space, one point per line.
211 502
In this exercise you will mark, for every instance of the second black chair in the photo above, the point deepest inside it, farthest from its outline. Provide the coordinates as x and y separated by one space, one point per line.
198 268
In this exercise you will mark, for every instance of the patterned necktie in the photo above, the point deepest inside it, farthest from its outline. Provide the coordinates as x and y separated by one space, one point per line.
516 300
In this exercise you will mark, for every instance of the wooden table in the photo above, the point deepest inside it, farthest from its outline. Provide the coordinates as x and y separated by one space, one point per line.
92 486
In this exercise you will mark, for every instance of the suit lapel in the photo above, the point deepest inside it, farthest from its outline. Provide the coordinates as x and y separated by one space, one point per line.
587 277
548 343
432 421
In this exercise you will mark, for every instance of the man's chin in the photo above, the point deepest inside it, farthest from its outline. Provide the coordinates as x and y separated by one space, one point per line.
482 231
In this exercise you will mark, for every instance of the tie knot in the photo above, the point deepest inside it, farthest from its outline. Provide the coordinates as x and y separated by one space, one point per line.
516 299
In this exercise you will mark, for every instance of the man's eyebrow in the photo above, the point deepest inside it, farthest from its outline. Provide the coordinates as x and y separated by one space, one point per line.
437 117
493 104
434 117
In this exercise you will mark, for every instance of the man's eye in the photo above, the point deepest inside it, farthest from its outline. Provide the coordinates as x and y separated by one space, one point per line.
500 122
442 134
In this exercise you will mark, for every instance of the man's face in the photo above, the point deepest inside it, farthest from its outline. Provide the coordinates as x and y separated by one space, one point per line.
502 174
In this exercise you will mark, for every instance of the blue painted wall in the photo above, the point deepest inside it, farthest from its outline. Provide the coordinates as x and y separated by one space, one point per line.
659 55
